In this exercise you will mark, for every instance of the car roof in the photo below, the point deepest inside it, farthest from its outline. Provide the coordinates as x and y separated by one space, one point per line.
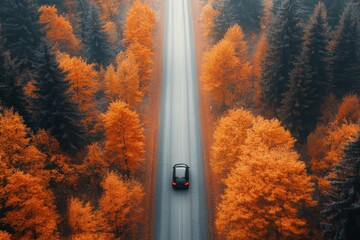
181 165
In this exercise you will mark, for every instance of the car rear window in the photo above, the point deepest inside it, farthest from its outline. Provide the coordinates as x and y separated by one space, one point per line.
180 172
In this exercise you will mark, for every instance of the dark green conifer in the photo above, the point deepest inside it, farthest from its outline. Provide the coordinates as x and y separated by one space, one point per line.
54 109
345 50
310 80
284 39
342 213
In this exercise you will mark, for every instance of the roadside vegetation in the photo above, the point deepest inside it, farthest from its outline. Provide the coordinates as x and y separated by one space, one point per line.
73 76
284 81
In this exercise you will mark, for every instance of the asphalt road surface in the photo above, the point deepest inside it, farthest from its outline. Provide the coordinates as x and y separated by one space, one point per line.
180 214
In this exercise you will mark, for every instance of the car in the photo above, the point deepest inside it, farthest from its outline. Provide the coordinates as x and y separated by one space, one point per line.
181 176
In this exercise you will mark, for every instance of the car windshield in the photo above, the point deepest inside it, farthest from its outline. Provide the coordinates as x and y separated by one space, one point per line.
180 172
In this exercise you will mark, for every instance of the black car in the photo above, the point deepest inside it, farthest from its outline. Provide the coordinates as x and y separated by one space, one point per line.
180 176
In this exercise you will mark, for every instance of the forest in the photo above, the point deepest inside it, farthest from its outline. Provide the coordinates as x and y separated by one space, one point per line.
283 78
73 77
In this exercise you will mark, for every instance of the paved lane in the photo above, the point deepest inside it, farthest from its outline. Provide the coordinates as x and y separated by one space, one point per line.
180 215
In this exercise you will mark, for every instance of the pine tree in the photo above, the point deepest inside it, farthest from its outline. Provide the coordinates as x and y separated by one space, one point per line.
82 14
335 9
246 13
22 32
345 50
11 93
310 80
97 48
283 47
343 212
54 109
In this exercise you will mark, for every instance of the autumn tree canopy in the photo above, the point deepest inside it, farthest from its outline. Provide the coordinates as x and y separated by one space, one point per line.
121 203
58 30
262 199
124 137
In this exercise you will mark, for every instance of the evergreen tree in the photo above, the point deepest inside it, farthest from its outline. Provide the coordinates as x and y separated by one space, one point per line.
54 109
245 13
82 14
343 212
22 32
97 48
310 80
345 59
11 94
335 9
283 47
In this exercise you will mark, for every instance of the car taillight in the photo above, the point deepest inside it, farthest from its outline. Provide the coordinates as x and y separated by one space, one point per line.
186 183
174 183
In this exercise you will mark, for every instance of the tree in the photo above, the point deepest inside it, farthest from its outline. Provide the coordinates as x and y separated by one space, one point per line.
109 9
349 110
230 134
23 33
310 80
219 73
121 203
30 210
208 14
283 47
82 14
139 25
262 199
335 9
84 84
4 235
326 151
342 212
256 60
246 13
345 58
144 58
97 48
84 221
58 30
55 110
11 92
112 83
124 137
128 73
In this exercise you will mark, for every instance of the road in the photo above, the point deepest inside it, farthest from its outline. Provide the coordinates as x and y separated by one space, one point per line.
180 215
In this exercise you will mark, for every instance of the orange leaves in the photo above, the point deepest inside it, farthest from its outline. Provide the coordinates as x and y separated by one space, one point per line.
267 183
121 203
139 25
84 85
31 211
349 110
226 70
124 136
58 30
124 83
4 235
208 15
86 223
229 136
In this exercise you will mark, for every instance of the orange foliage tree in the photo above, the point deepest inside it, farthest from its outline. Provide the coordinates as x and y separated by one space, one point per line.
266 188
5 235
58 30
109 8
326 144
229 136
85 223
110 29
84 85
256 61
226 71
208 14
31 210
139 25
144 57
124 135
124 83
121 203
